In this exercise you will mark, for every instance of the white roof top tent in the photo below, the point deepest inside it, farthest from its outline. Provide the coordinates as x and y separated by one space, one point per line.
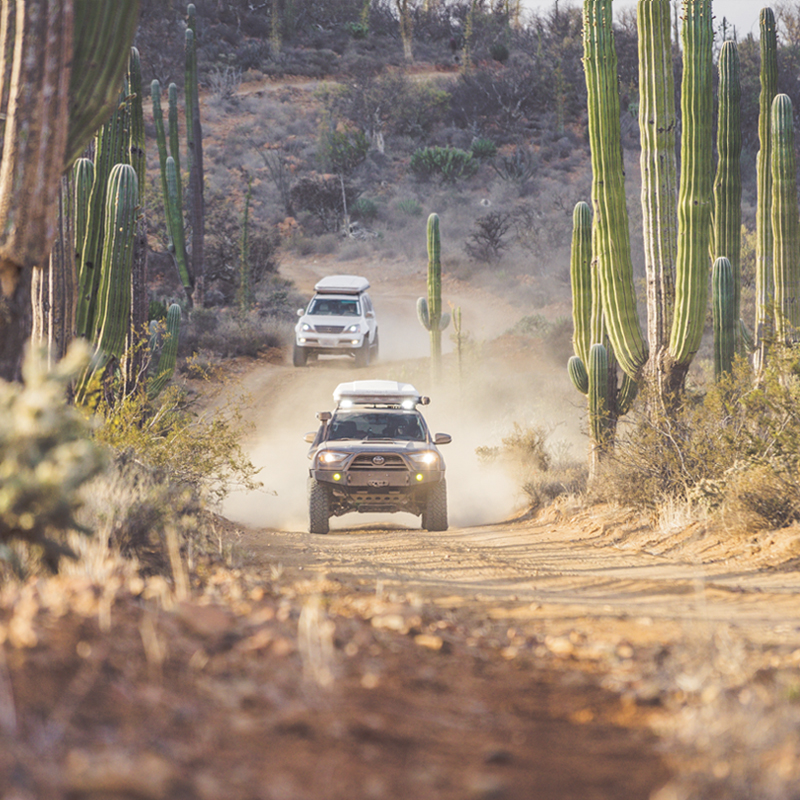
342 284
372 393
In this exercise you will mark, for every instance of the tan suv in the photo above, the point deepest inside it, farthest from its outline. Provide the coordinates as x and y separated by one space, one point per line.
374 453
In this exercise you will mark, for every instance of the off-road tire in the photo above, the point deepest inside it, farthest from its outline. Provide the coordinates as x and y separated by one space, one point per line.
434 517
362 355
299 356
319 507
376 349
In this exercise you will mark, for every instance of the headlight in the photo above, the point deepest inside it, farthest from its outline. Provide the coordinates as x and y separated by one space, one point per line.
353 329
306 327
427 459
330 458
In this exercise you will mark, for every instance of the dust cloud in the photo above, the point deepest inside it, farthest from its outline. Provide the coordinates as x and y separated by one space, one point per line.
497 388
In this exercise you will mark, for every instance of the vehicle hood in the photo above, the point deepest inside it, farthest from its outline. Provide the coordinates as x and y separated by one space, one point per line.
374 446
316 320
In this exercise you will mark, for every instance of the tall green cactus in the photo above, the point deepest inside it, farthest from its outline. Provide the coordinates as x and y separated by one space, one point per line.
71 54
689 239
728 182
764 326
610 240
429 310
785 225
581 275
723 294
600 425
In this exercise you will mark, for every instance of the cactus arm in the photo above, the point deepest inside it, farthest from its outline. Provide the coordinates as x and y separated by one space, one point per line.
169 353
137 155
764 243
432 309
161 144
658 124
176 224
784 220
115 289
578 374
83 173
422 313
174 143
598 397
103 36
581 279
610 239
723 303
695 194
728 181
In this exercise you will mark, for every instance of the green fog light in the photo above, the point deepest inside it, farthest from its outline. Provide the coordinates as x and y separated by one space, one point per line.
420 476
337 476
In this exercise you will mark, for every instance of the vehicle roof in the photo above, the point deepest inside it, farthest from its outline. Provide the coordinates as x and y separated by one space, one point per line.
342 284
376 392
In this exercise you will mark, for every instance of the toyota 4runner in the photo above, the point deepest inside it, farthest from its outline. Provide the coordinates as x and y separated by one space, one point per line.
374 453
339 320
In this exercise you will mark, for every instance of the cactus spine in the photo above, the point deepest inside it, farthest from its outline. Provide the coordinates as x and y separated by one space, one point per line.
429 310
728 182
723 294
764 241
785 226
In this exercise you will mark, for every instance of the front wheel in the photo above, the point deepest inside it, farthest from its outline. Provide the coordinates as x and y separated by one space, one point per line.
319 507
299 355
362 354
376 348
434 517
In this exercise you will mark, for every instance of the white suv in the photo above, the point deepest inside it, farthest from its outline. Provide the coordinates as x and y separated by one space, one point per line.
339 320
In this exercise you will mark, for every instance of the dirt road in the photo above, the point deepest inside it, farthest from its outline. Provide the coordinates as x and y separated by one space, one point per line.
677 621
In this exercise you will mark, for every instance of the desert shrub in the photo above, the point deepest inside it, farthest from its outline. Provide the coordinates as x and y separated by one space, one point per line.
483 148
409 206
450 164
735 449
321 196
198 450
225 82
228 334
46 455
543 470
365 209
519 167
499 52
488 239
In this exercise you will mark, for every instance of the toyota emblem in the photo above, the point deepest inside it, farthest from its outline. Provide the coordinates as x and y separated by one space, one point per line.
378 460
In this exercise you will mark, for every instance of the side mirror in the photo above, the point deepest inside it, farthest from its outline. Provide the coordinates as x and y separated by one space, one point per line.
370 315
300 312
309 437
442 438
324 416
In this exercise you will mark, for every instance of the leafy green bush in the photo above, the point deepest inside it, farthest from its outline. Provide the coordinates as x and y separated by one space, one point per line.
450 164
46 455
409 206
198 450
365 209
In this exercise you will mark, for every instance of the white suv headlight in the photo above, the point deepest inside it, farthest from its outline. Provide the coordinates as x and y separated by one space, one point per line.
353 328
332 459
429 458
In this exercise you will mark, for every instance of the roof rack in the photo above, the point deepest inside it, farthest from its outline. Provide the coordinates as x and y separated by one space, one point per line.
374 393
342 284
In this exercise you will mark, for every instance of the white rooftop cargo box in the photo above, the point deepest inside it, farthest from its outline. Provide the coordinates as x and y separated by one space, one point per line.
342 284
388 393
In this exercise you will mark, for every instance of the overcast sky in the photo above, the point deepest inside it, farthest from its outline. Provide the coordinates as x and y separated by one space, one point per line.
741 13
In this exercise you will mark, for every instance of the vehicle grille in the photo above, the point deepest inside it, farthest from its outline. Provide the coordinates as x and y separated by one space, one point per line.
329 328
366 461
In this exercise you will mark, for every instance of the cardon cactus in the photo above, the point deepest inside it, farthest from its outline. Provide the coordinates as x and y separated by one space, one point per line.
429 310
723 306
72 54
581 276
688 238
169 353
599 412
764 325
785 226
728 182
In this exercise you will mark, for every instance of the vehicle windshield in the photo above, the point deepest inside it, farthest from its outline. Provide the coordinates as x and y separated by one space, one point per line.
334 307
377 425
